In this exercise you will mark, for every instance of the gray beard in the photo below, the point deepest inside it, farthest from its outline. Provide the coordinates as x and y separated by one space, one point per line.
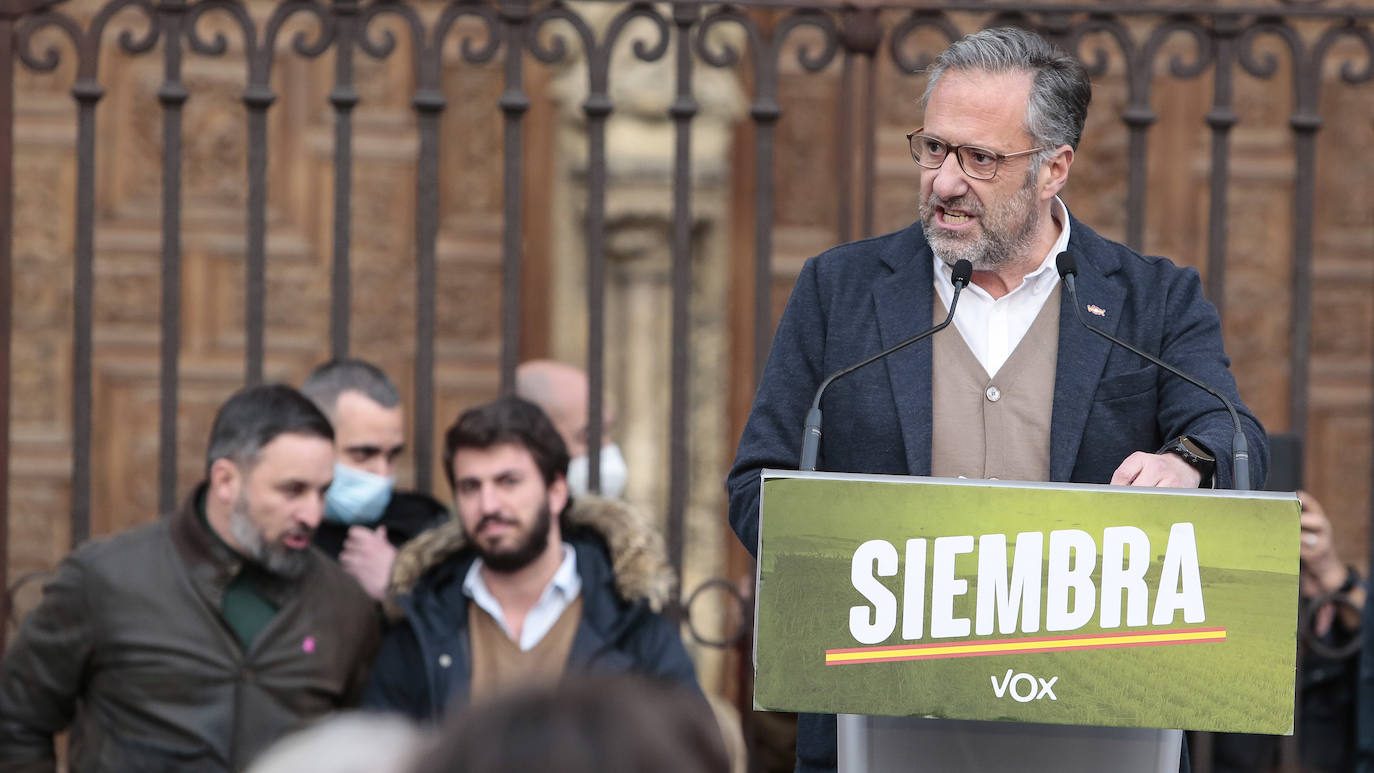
994 249
277 559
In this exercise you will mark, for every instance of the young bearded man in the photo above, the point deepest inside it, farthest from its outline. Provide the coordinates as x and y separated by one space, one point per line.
525 585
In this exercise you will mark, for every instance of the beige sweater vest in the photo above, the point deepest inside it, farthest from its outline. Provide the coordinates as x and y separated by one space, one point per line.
994 427
498 664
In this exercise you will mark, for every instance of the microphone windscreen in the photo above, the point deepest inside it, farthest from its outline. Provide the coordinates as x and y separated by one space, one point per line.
962 272
1067 265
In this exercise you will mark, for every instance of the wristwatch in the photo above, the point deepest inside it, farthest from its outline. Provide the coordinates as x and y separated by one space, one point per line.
1195 454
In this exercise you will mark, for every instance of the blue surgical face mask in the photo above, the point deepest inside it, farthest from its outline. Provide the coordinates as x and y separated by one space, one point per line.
357 496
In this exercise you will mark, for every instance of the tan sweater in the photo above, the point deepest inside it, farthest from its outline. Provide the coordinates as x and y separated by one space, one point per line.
498 664
994 427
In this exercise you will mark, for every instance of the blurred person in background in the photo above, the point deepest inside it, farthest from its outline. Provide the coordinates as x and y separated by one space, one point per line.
524 585
562 391
194 642
587 724
347 743
365 518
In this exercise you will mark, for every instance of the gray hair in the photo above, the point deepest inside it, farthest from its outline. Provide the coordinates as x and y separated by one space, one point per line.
1060 90
324 385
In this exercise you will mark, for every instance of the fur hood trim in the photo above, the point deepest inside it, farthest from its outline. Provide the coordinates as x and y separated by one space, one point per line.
638 556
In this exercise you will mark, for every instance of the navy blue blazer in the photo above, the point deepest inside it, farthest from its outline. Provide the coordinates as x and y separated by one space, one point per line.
859 298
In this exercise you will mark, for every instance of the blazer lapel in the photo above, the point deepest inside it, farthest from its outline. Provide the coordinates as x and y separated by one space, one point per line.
1082 354
903 305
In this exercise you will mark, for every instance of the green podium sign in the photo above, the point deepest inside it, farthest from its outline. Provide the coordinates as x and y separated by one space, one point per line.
1056 603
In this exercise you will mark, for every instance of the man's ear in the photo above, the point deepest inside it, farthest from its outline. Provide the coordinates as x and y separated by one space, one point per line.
226 480
1054 173
558 496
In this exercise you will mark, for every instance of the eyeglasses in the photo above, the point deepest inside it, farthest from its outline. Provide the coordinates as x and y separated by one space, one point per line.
978 163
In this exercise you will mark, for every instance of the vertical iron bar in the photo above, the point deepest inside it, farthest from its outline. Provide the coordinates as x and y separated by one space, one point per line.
1138 117
1138 123
683 110
868 114
173 97
87 92
765 113
1221 118
10 11
861 34
514 103
344 98
844 151
597 108
257 98
1305 127
429 104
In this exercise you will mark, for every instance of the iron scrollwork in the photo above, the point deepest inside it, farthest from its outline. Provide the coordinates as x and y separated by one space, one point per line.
518 26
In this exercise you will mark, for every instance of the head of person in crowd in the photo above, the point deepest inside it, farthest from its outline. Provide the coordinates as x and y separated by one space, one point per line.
508 468
585 724
269 463
347 743
561 390
1004 112
365 408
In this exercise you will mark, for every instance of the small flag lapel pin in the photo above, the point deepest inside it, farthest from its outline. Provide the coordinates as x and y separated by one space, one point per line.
1098 310
308 644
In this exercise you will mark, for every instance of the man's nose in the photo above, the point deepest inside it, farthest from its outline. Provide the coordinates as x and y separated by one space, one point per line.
487 500
950 181
312 511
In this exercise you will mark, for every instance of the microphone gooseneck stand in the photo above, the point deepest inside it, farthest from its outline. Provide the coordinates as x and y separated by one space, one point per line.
811 435
1240 447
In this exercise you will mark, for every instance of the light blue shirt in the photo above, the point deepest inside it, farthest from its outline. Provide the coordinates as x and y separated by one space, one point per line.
553 602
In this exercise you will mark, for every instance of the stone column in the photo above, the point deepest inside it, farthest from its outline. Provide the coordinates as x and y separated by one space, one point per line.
640 142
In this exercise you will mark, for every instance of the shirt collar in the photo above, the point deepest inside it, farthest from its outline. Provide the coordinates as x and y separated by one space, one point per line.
566 581
1043 279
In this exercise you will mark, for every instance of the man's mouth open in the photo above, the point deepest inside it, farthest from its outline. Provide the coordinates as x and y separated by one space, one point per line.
954 218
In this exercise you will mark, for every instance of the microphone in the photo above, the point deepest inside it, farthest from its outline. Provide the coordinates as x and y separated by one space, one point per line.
1240 447
811 435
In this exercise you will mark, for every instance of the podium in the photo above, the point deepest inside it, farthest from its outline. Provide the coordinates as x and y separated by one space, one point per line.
872 744
959 625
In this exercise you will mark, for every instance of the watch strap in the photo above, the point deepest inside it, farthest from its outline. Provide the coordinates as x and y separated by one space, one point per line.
1196 454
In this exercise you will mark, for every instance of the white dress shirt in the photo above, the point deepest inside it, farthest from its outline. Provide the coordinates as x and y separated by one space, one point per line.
992 327
553 602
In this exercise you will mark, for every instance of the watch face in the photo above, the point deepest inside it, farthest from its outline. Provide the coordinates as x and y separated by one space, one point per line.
1187 444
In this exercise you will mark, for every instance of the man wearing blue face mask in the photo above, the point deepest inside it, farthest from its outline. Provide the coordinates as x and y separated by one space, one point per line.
365 518
561 391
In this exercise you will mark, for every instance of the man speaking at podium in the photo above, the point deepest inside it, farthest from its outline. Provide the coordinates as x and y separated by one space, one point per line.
1023 391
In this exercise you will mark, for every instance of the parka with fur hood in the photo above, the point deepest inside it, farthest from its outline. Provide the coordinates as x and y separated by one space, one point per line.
424 662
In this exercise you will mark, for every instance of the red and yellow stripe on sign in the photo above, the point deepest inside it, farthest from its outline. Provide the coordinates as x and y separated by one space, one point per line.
968 649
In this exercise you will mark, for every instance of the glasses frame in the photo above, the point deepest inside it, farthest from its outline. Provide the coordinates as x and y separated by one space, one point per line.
958 156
